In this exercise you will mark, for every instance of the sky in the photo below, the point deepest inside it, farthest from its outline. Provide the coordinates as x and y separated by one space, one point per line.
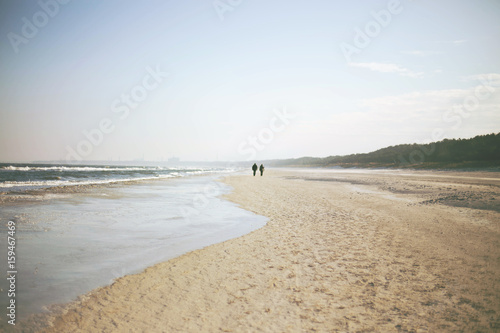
239 80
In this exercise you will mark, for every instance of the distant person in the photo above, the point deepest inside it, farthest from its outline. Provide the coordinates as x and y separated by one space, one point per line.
261 169
254 168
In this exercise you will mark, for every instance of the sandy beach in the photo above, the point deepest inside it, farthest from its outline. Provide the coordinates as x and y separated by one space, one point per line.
342 252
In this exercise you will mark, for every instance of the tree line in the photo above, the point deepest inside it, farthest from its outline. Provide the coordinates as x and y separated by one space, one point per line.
480 151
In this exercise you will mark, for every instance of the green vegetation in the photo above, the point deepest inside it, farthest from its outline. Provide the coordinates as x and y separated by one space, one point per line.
482 151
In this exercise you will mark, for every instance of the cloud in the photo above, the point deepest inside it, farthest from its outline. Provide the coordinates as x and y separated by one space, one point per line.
454 42
411 117
490 79
387 68
421 53
459 112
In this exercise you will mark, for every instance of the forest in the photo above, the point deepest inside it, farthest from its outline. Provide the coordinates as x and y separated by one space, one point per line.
482 151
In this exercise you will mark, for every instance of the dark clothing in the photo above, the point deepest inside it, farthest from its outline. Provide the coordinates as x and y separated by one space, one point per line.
254 168
261 169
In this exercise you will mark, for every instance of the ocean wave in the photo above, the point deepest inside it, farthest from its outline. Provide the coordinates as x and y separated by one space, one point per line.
25 177
80 168
52 183
57 181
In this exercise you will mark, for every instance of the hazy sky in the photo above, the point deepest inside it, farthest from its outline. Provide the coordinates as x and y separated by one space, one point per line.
243 79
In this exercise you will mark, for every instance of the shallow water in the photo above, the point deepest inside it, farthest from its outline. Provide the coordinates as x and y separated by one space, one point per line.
69 244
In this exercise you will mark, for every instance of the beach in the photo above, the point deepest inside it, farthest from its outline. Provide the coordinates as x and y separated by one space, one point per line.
70 240
343 251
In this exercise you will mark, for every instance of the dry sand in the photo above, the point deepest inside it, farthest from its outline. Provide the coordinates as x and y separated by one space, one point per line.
343 252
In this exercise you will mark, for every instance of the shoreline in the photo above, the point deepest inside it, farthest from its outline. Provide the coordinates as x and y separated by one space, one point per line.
73 243
338 253
36 194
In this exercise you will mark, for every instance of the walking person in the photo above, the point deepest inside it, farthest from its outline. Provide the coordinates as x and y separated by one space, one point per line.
254 168
261 169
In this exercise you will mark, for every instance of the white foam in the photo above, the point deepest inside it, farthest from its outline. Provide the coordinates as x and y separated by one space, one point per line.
52 183
83 169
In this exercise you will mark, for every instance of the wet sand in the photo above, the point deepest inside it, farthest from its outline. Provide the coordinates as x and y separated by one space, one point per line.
70 243
342 252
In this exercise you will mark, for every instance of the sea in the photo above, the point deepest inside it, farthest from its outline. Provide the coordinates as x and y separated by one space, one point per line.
68 243
15 177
